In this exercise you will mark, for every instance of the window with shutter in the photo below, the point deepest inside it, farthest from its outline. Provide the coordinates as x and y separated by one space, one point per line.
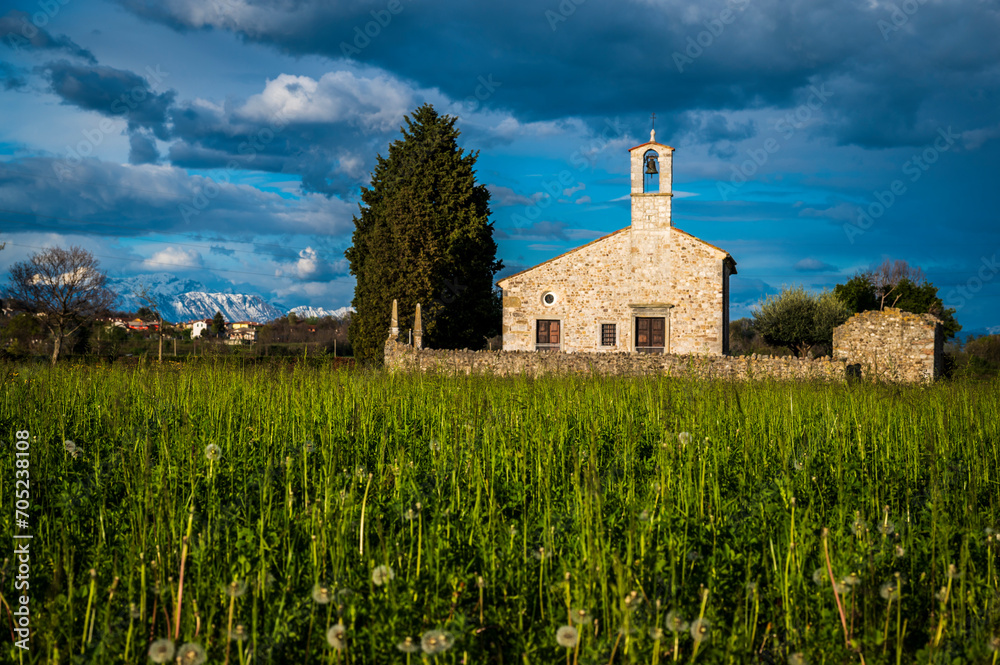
547 335
650 334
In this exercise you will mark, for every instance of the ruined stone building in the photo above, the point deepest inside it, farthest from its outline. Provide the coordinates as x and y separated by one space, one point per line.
649 287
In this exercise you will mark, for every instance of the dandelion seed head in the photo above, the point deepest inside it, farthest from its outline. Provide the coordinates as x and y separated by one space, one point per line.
655 633
70 447
162 651
820 577
308 447
409 645
632 600
900 551
382 575
675 622
335 636
994 643
851 580
239 633
751 588
797 658
953 572
858 527
580 616
684 438
236 588
644 516
436 641
321 593
942 594
887 527
133 611
213 453
190 653
700 629
889 590
567 636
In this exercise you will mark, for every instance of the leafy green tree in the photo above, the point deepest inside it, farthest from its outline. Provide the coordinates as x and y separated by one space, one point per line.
896 284
423 235
799 320
218 324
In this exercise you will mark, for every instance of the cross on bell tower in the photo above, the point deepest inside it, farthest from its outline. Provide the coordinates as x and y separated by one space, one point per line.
652 181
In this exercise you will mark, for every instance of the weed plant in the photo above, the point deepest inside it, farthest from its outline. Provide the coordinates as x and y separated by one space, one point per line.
301 515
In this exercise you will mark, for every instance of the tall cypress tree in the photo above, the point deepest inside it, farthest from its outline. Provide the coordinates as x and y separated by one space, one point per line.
424 236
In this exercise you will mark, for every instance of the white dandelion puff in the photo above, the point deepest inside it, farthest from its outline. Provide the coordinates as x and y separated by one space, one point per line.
580 616
382 575
436 641
889 590
335 636
190 653
409 645
162 651
684 438
675 622
213 453
567 636
236 588
321 593
239 633
700 629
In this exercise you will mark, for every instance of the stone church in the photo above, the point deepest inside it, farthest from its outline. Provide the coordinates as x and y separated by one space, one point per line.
648 288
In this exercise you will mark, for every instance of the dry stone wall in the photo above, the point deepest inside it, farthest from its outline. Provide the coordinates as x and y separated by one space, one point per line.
402 357
879 346
891 345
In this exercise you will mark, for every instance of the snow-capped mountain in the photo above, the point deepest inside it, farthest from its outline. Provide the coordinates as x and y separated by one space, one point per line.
187 299
234 307
308 312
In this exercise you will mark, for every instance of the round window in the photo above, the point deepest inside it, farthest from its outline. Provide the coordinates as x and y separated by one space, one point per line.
549 298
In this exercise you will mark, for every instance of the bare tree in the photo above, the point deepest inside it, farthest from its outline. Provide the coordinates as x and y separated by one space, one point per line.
64 287
888 275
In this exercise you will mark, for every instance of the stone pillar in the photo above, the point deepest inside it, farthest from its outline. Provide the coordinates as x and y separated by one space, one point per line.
394 322
418 331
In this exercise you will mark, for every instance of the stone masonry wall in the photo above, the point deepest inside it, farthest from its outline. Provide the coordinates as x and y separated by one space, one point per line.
402 357
891 345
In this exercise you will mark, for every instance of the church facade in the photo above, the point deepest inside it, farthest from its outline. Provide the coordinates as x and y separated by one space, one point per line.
648 288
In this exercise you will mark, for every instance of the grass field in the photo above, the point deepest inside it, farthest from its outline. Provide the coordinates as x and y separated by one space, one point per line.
295 514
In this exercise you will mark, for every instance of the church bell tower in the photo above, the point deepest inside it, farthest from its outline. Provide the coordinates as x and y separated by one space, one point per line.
652 184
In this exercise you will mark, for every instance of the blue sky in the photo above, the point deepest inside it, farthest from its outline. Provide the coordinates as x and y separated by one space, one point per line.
227 140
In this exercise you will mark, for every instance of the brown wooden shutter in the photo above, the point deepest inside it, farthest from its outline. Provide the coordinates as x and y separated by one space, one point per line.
642 332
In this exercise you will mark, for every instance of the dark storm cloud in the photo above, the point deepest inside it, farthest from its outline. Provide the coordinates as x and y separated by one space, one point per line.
11 77
911 70
19 32
115 200
142 149
112 92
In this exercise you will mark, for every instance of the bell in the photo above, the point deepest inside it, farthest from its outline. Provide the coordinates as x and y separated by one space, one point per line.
651 166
